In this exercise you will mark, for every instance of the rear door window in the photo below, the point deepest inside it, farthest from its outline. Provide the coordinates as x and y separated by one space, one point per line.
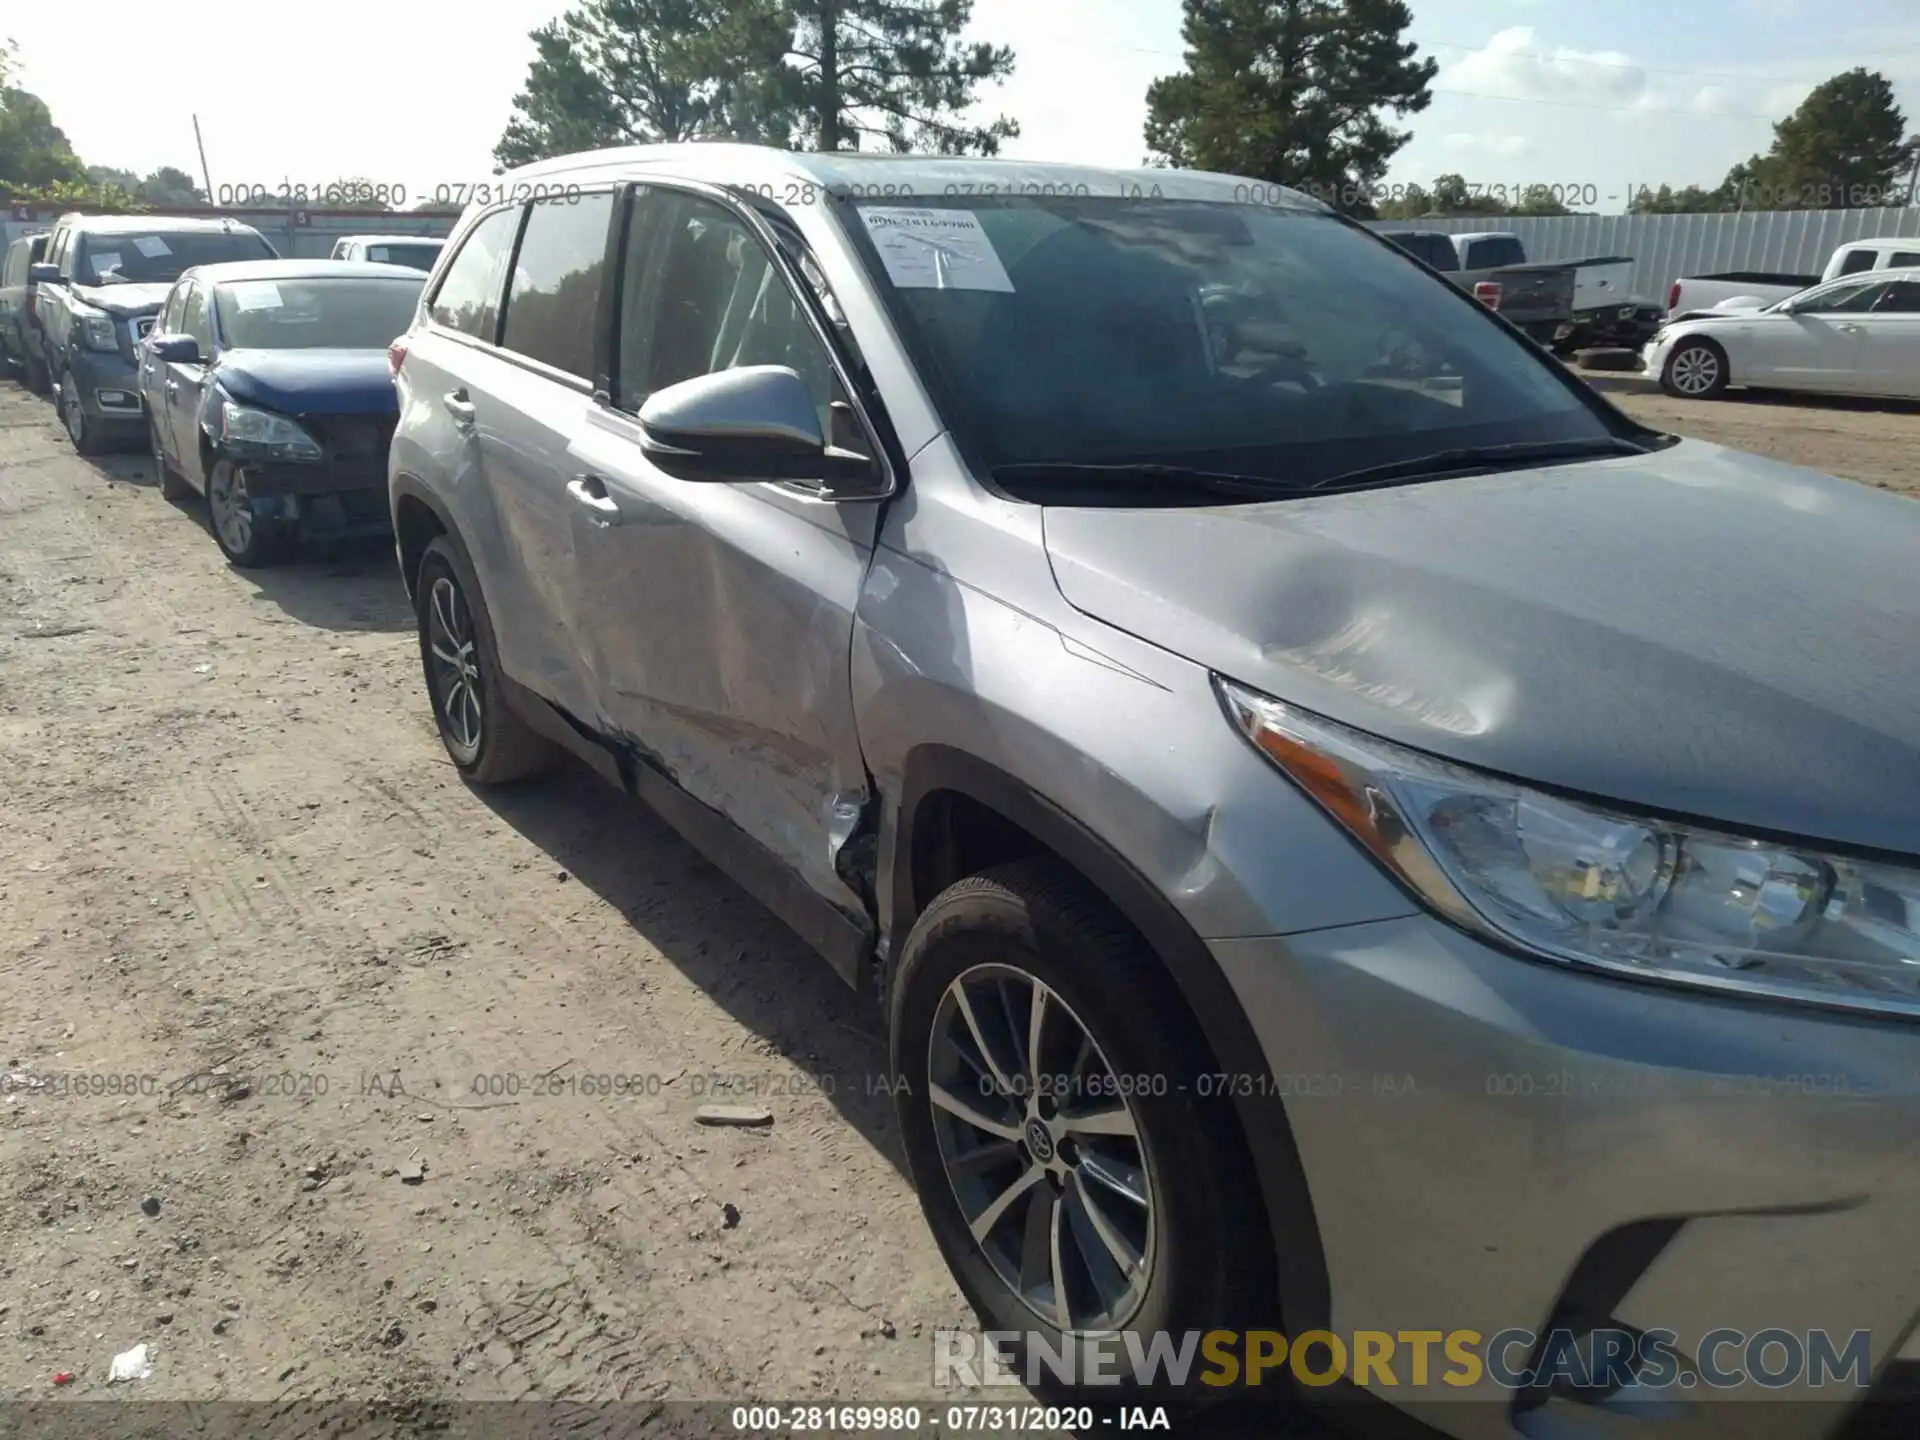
1858 260
468 299
1902 297
1904 260
553 302
1492 253
194 321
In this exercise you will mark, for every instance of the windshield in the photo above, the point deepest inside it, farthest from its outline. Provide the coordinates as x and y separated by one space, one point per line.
1281 344
420 257
157 257
315 314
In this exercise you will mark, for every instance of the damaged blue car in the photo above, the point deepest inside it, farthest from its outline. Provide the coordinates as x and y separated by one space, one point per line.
267 389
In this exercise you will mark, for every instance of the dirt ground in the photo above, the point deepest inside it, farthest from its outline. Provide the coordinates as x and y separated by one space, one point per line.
239 880
1874 443
407 1074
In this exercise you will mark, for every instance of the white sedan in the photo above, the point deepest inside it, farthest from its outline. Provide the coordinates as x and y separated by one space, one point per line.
1855 336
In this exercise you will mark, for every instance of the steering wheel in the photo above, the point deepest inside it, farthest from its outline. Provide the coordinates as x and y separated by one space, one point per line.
1278 369
1401 353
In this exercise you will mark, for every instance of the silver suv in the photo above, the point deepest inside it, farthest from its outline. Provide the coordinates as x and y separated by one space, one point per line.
1351 831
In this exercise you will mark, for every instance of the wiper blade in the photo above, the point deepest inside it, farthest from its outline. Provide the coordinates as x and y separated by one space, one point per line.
1476 457
1220 482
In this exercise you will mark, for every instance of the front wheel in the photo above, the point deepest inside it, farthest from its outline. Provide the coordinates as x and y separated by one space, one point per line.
243 537
1046 1085
1696 370
81 429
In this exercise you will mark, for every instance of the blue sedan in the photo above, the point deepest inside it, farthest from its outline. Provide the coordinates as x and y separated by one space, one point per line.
267 388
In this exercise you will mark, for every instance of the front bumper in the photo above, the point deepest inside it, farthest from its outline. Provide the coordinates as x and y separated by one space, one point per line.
1493 1143
321 500
109 387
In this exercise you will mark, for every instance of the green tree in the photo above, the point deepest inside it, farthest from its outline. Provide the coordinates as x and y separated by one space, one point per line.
169 185
34 153
895 72
1292 91
835 73
1409 204
1845 147
630 72
1688 200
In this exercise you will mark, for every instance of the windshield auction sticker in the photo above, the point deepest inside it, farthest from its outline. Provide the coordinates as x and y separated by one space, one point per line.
934 249
255 294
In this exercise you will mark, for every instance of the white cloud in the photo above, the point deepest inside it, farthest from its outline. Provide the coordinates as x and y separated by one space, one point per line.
1512 65
1484 143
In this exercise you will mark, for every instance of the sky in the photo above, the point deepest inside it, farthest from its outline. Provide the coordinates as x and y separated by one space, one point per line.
1598 97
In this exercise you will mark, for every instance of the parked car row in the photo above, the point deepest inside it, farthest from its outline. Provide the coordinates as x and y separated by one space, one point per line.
1189 661
259 381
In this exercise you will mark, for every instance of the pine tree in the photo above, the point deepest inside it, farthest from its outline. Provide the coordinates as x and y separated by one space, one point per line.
833 74
1291 91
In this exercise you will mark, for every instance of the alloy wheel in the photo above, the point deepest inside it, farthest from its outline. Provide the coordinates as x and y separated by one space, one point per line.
1696 370
231 506
455 665
1043 1149
74 415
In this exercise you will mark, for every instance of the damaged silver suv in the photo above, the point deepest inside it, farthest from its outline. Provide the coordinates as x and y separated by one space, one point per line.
1351 831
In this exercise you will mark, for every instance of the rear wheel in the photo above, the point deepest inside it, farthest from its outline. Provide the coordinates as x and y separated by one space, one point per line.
243 537
1047 1081
484 738
173 485
1696 370
35 375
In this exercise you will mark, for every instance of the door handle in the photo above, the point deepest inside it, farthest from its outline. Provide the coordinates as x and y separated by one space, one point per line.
591 491
458 406
1853 329
173 386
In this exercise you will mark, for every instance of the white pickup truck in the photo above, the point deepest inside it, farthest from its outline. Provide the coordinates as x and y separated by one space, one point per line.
1755 290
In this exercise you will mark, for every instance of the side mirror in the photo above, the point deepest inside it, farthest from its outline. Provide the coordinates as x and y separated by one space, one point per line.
43 274
175 349
751 424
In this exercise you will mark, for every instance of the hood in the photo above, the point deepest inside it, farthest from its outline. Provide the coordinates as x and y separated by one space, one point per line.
124 300
1696 631
310 382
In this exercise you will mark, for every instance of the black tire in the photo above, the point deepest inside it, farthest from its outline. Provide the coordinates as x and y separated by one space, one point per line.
173 485
499 747
1703 358
259 543
1209 1261
34 375
80 428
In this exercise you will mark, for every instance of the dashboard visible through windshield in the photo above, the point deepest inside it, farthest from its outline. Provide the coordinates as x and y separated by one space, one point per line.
1275 343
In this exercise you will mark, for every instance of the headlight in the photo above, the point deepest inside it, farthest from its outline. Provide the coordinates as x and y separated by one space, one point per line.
97 332
1578 883
243 427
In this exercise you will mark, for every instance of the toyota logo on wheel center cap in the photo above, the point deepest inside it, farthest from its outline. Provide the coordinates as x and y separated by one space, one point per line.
1040 1140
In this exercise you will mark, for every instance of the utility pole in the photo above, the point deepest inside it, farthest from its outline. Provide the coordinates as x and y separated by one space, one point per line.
1913 180
205 174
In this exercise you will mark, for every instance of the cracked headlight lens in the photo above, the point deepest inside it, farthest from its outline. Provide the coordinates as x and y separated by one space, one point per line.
1575 882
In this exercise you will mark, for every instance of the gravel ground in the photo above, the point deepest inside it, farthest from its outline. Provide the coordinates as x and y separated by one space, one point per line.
327 1037
1872 442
